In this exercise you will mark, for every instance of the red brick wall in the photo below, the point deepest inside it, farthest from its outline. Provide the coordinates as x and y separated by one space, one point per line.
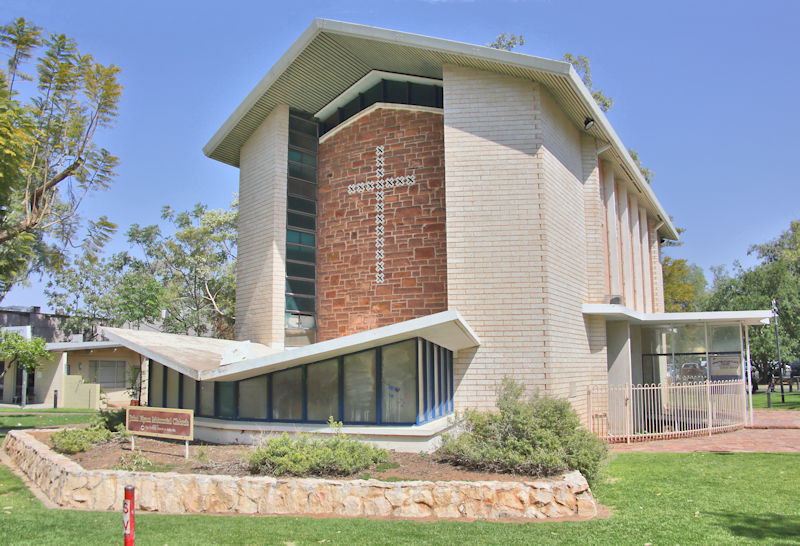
348 298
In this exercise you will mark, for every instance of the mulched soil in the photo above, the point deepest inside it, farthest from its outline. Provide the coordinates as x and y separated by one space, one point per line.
168 456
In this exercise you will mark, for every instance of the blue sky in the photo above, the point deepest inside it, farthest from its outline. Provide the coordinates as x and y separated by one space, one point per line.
701 89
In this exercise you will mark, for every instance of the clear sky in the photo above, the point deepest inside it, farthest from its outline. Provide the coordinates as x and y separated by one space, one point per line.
701 89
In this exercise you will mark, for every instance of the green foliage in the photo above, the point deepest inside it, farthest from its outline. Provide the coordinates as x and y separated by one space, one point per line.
195 266
49 159
307 455
536 437
76 440
647 174
684 285
129 294
111 420
584 70
28 353
776 276
103 426
137 461
507 41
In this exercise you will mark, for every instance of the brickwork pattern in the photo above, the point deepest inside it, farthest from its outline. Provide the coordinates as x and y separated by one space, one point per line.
261 267
415 248
495 230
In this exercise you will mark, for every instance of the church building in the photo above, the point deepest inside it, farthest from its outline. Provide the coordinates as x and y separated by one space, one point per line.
418 219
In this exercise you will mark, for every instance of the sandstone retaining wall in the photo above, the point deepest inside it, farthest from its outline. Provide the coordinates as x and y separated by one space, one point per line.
69 485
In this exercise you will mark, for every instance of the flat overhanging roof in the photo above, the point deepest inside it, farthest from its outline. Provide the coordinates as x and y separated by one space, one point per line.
81 345
620 312
330 56
208 359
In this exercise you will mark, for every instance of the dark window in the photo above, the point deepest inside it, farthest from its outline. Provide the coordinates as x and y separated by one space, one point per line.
296 286
302 205
299 270
302 221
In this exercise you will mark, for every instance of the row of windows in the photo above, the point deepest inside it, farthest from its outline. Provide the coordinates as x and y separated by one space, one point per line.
403 383
301 223
395 92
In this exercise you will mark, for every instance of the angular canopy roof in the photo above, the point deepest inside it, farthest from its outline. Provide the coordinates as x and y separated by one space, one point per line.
620 312
330 56
209 359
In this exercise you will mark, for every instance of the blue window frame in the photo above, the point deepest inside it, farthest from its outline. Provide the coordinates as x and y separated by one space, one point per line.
387 385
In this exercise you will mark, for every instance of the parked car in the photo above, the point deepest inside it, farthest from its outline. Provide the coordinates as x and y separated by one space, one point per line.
795 368
692 371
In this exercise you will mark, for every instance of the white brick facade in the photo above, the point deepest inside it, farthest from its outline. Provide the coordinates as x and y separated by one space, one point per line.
261 268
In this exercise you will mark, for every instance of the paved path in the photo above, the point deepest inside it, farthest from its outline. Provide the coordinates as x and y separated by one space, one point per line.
774 431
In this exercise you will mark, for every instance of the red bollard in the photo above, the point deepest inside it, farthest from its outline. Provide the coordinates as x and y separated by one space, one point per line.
127 516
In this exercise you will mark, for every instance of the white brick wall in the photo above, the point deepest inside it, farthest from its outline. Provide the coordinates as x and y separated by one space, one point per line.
495 232
517 168
261 269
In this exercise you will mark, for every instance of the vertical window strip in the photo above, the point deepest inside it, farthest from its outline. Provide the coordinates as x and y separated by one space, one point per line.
431 383
379 385
452 382
420 381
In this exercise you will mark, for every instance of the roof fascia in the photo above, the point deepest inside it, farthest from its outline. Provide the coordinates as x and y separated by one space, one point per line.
263 85
152 355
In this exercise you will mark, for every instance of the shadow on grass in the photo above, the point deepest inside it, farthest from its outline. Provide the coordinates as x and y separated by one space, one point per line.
762 526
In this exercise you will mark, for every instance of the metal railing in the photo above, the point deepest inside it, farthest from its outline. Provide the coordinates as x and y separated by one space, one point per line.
629 413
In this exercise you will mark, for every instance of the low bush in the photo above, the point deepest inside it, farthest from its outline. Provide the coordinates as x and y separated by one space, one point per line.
137 461
539 436
113 420
307 455
75 440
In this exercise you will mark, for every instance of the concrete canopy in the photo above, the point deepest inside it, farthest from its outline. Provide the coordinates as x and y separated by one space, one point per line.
209 359
620 312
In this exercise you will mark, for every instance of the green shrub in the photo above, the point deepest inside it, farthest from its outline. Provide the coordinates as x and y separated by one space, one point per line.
136 461
307 455
537 437
75 440
113 420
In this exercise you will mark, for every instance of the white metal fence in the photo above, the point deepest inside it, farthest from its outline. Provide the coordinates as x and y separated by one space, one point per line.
629 413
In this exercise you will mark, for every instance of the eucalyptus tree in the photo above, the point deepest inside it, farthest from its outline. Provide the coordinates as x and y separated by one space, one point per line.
50 159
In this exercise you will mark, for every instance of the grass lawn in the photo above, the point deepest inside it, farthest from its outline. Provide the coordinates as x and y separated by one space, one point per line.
792 399
28 410
10 422
693 498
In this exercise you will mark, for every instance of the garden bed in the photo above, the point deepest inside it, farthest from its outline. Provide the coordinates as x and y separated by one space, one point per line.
69 484
168 456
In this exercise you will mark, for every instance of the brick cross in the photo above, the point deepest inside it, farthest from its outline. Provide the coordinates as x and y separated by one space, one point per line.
379 186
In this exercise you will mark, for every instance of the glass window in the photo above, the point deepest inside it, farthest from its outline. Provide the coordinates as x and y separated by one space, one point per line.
253 398
189 391
300 303
303 205
156 386
306 126
322 381
207 398
399 371
287 395
295 286
350 109
396 92
173 381
299 187
303 172
301 140
656 340
226 399
373 95
110 374
690 339
300 238
423 95
302 221
302 157
359 387
301 253
299 270
725 339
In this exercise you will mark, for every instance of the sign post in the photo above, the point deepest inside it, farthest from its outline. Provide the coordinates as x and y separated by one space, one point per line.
127 517
177 424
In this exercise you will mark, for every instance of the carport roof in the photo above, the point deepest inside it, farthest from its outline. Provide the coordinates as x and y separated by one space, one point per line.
620 312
